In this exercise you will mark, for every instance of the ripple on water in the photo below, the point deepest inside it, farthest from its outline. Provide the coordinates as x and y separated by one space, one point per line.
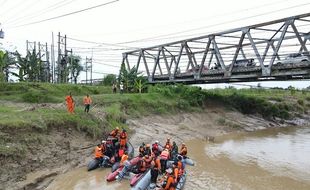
284 154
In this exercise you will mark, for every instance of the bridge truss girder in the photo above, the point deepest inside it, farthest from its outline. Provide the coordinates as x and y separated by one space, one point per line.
191 59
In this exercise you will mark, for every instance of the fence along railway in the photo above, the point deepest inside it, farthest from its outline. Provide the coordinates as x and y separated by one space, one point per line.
274 50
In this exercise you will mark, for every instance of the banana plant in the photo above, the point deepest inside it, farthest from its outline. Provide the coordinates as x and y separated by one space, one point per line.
6 64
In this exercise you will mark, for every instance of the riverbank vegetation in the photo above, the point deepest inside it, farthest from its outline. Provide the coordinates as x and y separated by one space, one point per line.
39 107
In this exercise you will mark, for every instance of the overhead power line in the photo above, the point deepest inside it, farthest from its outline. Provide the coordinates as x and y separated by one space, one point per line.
102 43
67 14
218 24
53 7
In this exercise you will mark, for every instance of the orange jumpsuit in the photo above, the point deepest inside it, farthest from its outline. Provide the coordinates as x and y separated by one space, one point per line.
70 104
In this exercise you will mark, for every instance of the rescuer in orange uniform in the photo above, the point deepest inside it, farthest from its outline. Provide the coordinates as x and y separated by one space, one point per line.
123 138
70 103
99 153
87 101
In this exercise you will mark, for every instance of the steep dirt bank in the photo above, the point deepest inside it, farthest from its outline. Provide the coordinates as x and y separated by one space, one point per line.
62 149
214 121
55 152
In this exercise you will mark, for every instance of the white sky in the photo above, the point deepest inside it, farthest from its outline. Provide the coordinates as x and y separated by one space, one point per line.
155 21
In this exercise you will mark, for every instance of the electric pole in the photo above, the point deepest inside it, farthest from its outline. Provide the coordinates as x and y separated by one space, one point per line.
62 63
87 67
53 59
30 47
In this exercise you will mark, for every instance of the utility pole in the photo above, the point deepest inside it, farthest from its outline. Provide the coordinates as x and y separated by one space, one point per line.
70 64
44 72
62 59
91 67
53 59
30 46
90 61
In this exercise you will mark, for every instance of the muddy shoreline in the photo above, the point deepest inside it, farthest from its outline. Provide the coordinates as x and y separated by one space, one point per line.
67 149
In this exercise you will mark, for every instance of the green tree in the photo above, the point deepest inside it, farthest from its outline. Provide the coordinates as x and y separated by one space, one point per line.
109 80
75 67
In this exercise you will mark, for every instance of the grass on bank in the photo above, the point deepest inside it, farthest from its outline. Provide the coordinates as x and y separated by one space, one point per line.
27 125
46 92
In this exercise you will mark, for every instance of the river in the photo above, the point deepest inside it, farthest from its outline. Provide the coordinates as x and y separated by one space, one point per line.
268 159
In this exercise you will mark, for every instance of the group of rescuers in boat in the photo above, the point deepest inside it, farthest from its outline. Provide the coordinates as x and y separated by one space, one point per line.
151 157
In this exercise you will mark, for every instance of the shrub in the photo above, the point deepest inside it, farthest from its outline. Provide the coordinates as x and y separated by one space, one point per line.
300 102
35 96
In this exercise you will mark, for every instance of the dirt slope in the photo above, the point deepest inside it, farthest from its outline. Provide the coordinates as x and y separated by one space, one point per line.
65 149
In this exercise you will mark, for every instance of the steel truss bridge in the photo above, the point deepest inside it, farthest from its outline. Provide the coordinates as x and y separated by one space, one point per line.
193 60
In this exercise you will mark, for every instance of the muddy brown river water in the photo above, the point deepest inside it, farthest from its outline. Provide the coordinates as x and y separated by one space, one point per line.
270 159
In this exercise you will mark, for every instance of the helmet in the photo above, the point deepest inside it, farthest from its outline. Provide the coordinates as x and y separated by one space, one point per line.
183 144
156 142
103 141
117 128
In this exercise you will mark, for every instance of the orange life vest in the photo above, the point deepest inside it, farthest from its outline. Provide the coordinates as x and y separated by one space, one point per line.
124 158
157 165
114 133
98 152
183 151
87 100
170 185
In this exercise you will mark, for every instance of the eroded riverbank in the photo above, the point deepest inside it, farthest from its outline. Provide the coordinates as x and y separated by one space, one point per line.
182 127
211 172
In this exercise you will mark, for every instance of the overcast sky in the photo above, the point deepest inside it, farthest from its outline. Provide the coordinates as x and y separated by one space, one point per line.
131 23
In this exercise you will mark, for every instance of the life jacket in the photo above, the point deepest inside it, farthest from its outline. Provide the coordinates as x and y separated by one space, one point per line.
124 158
98 152
183 151
168 146
170 183
114 133
180 165
148 162
103 148
142 165
87 100
120 152
155 148
177 172
156 163
164 155
123 135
